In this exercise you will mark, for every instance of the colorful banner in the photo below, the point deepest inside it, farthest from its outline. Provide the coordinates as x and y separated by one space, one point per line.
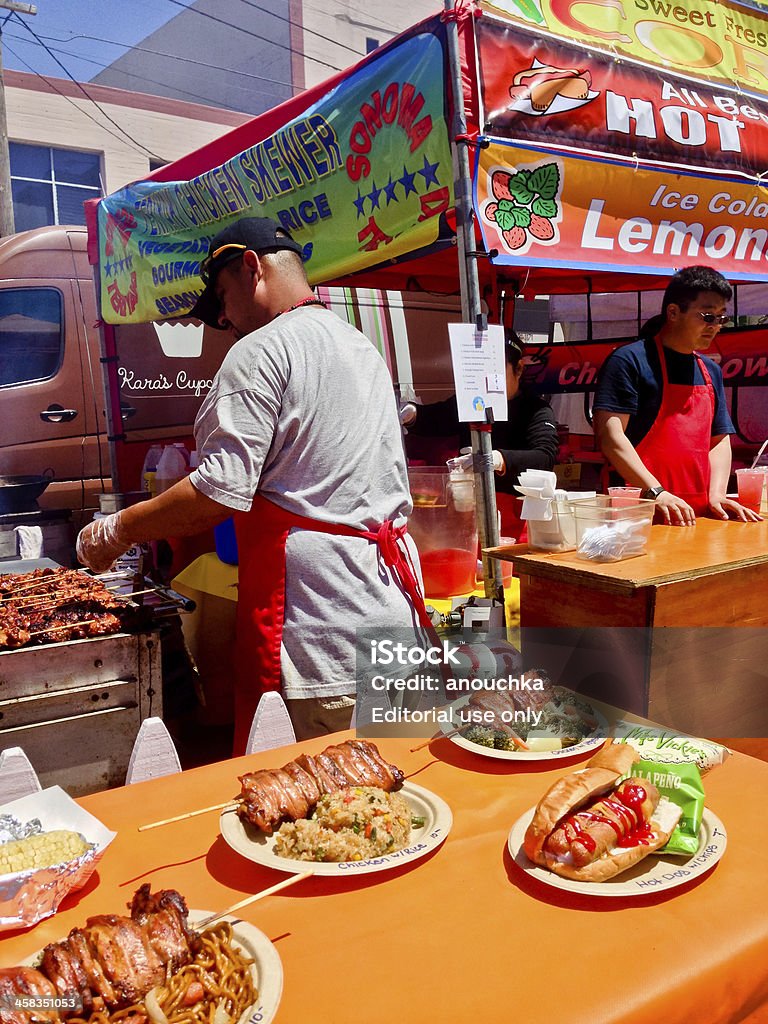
560 368
539 208
361 177
539 90
721 41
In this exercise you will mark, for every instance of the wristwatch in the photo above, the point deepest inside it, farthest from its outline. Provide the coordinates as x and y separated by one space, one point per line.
653 492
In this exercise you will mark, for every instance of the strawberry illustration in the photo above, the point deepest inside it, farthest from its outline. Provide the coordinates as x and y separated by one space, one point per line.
514 237
490 211
541 227
500 185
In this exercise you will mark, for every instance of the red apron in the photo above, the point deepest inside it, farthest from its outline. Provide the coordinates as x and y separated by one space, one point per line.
261 538
511 524
676 448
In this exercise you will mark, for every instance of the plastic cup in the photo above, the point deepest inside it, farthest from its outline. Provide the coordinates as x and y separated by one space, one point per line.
506 567
750 487
621 497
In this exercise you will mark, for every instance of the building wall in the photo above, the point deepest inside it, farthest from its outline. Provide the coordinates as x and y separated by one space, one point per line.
254 56
335 33
228 53
167 128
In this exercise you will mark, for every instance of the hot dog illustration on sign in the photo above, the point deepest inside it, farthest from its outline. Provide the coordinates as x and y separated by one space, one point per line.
525 207
544 89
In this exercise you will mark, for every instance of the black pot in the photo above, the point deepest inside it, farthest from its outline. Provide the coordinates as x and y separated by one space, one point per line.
20 493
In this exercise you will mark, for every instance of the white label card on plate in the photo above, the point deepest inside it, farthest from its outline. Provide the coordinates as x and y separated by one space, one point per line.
478 371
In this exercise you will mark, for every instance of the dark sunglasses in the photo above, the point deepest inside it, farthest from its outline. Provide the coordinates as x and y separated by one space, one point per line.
715 318
235 249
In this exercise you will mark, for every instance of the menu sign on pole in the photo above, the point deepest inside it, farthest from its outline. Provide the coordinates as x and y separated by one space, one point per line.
478 371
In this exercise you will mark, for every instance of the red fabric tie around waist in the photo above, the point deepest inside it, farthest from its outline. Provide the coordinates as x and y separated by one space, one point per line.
262 534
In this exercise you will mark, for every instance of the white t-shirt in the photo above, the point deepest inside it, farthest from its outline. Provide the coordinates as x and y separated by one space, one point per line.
303 411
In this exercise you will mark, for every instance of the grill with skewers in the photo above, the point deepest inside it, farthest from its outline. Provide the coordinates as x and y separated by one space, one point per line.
80 669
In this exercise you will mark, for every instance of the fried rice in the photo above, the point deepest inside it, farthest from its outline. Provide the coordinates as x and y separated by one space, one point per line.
349 825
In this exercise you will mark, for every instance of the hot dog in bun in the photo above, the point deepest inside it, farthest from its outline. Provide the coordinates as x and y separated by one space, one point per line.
589 826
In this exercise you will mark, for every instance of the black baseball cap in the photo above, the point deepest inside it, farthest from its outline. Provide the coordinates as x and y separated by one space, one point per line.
260 234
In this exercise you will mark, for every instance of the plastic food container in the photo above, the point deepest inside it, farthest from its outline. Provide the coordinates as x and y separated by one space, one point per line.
557 533
444 530
606 532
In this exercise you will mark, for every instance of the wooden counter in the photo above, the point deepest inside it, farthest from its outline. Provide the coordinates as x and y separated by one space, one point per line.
703 676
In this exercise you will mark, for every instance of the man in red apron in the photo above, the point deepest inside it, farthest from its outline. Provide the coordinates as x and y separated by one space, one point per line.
299 437
660 413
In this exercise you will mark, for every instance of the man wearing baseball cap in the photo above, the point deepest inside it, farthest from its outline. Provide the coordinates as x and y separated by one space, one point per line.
299 439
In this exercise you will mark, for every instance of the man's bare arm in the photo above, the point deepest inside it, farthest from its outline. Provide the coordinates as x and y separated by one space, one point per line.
610 430
621 453
179 512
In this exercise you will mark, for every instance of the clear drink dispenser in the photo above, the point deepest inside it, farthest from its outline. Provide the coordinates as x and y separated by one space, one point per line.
444 529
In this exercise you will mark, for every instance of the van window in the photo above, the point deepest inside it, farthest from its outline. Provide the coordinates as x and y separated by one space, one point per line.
31 334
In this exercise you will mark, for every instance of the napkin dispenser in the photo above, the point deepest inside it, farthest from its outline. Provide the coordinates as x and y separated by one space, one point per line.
549 511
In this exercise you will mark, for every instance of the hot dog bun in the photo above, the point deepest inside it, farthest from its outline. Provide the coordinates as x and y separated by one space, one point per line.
573 792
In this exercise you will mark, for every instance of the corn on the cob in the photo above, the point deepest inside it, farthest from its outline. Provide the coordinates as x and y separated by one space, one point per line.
43 850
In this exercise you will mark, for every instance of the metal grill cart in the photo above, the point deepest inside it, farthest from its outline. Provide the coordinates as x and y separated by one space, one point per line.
75 707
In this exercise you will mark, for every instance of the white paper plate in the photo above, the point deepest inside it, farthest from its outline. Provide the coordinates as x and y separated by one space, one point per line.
267 969
655 873
249 841
588 743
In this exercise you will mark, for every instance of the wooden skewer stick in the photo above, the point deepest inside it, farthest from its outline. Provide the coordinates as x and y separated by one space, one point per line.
21 595
68 625
41 581
84 589
447 735
437 735
207 921
49 601
46 600
87 583
230 804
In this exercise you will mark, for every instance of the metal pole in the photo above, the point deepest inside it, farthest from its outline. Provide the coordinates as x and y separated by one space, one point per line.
7 224
485 487
109 361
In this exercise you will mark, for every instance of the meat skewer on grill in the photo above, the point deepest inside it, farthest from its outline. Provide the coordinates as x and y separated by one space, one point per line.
270 796
65 604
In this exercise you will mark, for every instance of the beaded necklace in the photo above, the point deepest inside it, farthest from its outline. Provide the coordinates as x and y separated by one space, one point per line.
311 301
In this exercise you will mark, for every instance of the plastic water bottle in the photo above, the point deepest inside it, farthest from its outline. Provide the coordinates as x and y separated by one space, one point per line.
180 446
171 468
149 468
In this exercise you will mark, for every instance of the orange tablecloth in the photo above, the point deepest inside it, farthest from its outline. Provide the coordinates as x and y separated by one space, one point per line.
462 936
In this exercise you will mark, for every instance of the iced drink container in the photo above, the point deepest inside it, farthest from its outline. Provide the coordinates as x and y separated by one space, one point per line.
622 497
750 486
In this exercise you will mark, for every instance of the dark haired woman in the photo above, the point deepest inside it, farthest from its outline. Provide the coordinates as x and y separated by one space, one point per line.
526 440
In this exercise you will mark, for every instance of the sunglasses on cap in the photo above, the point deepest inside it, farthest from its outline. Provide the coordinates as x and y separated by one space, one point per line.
206 265
715 318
